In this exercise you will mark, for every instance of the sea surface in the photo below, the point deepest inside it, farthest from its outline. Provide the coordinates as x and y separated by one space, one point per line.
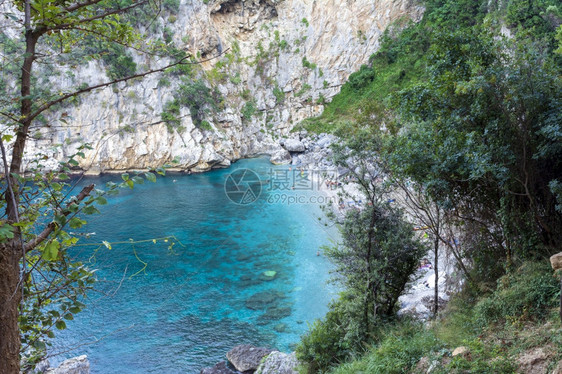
230 271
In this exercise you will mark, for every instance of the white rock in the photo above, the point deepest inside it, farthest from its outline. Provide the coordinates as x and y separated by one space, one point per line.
293 145
75 365
280 157
279 363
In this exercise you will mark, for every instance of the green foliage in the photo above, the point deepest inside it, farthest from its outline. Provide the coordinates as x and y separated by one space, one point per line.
172 6
279 95
479 123
195 95
325 343
374 262
170 114
119 62
236 79
559 39
484 359
362 78
308 64
248 110
402 345
522 295
305 88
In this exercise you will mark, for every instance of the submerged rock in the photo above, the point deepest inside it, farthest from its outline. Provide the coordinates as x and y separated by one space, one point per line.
274 314
247 357
279 363
263 300
280 327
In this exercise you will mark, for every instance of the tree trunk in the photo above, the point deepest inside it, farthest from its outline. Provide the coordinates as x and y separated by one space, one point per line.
10 297
436 269
11 252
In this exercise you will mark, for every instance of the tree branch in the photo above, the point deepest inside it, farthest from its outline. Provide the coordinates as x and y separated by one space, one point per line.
64 26
52 226
64 97
77 6
183 61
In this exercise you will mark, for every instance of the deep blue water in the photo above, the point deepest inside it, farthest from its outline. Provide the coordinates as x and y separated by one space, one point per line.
193 303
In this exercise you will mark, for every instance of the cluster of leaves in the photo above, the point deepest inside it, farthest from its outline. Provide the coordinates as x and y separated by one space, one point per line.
195 95
523 295
55 286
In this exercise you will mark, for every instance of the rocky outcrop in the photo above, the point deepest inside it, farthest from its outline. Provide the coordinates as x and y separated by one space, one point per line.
279 363
220 368
247 357
280 157
76 365
276 59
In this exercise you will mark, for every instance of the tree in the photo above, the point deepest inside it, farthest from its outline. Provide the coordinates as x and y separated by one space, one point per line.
379 252
482 136
33 240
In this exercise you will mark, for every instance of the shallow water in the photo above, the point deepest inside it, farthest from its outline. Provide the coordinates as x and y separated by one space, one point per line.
210 292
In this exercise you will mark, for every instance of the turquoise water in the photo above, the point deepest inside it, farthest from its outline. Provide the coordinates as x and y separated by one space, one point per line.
193 303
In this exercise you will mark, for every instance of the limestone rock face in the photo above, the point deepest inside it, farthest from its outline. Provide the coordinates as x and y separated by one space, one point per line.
76 365
247 357
279 363
280 157
271 61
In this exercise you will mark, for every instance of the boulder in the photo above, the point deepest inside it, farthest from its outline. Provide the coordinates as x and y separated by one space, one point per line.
219 368
461 351
325 141
279 363
280 157
293 145
533 361
556 261
247 357
75 365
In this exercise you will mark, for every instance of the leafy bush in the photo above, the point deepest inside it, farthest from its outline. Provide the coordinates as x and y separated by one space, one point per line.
118 61
172 6
279 94
526 294
362 78
400 350
249 110
324 345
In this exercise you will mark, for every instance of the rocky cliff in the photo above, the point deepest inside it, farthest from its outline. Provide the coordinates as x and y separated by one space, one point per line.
272 62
